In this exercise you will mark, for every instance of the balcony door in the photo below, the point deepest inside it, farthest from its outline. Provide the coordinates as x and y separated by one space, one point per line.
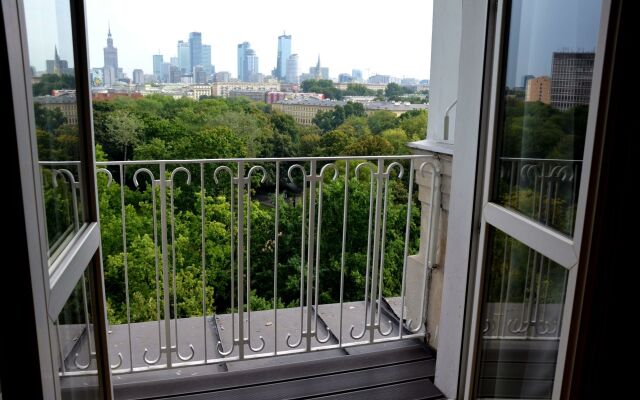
46 57
542 123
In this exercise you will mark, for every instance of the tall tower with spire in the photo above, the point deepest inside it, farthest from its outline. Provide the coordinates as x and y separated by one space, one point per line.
110 53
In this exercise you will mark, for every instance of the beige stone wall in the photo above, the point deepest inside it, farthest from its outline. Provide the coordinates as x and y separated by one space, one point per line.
416 265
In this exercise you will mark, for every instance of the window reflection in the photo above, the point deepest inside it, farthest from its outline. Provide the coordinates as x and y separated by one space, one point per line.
544 108
50 44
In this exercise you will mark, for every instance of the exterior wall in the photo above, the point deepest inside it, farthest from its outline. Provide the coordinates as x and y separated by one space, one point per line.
301 113
539 89
445 57
201 90
417 264
222 89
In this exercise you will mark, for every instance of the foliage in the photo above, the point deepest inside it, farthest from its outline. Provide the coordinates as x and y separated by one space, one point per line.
49 82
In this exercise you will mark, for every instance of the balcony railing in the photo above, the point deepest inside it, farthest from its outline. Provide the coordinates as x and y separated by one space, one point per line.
245 188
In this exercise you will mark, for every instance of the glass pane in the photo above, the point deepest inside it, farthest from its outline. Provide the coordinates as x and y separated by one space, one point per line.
76 347
50 46
544 107
524 296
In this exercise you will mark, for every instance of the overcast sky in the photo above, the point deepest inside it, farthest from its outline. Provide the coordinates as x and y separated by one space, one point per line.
391 38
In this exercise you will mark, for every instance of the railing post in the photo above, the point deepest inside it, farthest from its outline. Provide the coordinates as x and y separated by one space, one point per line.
165 261
240 184
310 246
379 175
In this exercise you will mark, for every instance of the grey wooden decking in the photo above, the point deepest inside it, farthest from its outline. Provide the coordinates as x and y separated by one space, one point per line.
402 370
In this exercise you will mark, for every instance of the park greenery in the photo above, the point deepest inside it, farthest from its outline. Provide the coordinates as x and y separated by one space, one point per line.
163 128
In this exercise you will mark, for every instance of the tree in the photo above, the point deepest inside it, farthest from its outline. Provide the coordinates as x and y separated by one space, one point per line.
124 129
382 120
398 139
414 123
49 82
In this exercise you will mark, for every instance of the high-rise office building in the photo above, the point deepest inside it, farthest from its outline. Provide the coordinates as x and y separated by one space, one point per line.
195 48
110 53
292 69
184 57
242 48
251 66
138 76
344 78
571 75
206 59
199 74
284 52
157 66
356 75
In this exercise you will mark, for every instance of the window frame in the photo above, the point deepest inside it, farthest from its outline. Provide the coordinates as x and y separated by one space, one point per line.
548 242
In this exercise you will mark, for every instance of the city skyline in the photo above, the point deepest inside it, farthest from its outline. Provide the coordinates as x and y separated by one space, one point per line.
401 48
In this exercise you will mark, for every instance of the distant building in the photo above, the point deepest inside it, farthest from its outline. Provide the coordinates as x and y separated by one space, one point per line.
58 66
409 82
66 103
345 78
222 76
356 76
195 49
571 75
157 66
292 69
251 66
206 60
538 89
380 79
304 110
138 76
174 74
222 89
97 77
174 61
199 75
184 57
255 95
318 72
284 52
242 49
111 54
110 75
526 79
200 90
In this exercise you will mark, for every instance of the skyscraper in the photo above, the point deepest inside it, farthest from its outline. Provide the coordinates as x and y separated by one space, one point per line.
184 57
206 59
251 66
242 48
284 52
195 49
157 66
292 69
138 76
110 53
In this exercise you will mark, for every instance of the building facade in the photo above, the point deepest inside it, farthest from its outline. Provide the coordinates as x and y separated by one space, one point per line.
571 75
110 53
222 76
242 49
284 52
195 49
184 57
66 103
138 76
222 89
157 66
538 89
292 69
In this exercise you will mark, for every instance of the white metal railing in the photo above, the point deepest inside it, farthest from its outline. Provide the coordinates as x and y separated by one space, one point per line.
531 293
309 175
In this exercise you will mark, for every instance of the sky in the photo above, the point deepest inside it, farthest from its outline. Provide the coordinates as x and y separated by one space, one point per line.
547 26
389 38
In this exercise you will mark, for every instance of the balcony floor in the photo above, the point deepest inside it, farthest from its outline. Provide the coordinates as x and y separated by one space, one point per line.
395 370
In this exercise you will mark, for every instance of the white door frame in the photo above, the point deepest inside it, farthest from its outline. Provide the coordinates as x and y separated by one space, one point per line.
559 248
